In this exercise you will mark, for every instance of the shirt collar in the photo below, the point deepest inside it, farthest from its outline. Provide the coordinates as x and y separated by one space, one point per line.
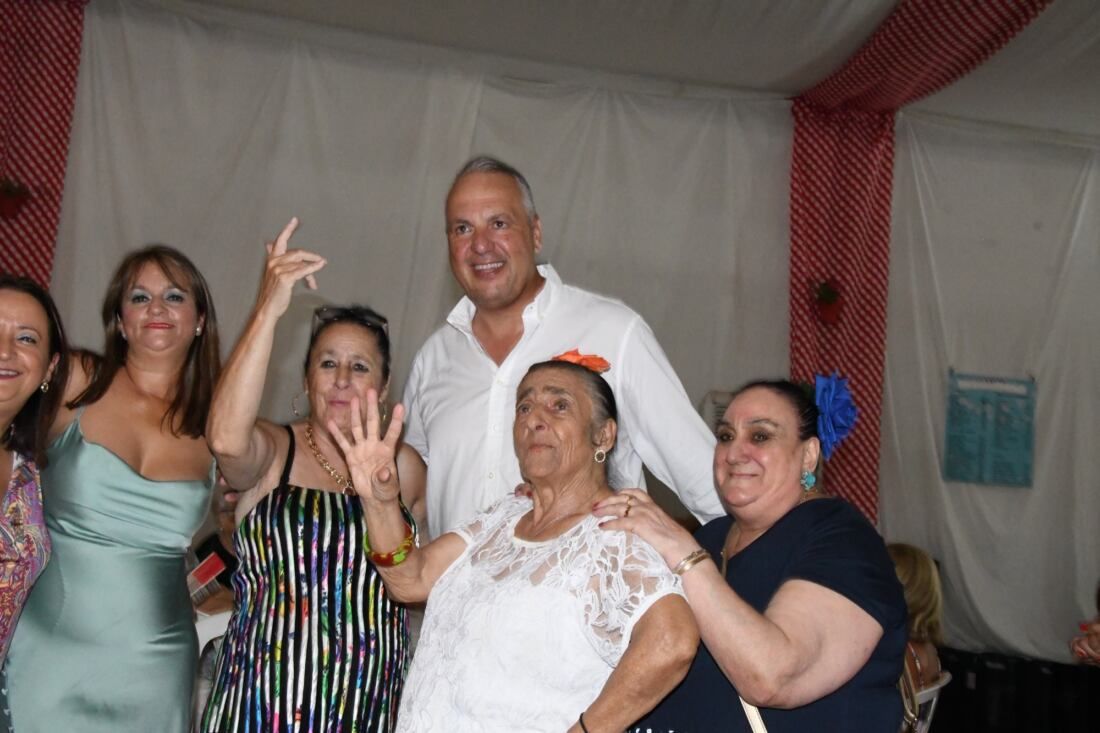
462 315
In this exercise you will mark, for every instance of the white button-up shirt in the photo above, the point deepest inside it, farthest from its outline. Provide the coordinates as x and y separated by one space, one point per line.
461 405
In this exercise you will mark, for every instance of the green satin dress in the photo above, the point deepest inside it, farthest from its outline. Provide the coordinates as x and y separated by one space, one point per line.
107 640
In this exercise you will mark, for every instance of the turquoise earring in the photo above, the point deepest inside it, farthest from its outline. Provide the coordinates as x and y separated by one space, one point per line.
807 481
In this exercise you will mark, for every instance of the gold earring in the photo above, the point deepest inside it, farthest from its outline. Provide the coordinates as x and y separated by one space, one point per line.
382 410
294 403
45 386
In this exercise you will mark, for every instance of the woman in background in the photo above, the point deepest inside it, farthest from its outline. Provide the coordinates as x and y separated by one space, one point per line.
33 362
921 581
107 641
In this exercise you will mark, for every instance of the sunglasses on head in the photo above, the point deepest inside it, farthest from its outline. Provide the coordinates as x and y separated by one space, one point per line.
354 313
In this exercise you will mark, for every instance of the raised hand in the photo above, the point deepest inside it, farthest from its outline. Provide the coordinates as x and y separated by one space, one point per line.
283 269
369 455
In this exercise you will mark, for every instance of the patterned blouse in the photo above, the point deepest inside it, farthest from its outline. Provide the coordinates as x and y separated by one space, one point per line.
24 544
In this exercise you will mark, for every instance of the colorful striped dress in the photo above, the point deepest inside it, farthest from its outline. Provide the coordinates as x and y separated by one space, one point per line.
316 644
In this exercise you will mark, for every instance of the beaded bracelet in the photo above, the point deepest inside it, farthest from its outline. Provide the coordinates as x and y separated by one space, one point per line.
690 561
395 557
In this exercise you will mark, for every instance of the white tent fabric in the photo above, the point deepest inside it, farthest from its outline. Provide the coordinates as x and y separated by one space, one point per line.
208 129
995 255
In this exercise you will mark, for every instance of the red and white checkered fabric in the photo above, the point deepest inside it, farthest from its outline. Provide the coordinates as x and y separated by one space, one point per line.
841 189
841 186
923 46
39 59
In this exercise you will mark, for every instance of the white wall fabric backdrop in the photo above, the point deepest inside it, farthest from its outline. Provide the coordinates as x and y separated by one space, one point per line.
995 257
207 130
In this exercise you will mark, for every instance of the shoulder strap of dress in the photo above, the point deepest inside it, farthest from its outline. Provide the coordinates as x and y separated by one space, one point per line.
75 426
78 416
284 480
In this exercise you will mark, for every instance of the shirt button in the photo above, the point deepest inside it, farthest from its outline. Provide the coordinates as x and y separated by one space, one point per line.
490 474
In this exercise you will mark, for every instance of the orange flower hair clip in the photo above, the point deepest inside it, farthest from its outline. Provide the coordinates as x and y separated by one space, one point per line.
594 362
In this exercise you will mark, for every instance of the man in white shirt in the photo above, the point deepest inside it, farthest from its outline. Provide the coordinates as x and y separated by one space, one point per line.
461 392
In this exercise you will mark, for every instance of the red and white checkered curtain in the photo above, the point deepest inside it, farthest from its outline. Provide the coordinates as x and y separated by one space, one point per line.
39 58
841 189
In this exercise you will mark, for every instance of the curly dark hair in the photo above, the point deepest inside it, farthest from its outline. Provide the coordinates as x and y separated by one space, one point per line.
800 398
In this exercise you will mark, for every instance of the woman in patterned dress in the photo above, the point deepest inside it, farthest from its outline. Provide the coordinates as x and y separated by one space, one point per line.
33 359
316 642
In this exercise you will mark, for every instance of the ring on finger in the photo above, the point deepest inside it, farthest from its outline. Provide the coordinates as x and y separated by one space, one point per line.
627 512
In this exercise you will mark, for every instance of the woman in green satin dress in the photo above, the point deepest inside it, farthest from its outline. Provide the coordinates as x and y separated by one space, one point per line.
106 641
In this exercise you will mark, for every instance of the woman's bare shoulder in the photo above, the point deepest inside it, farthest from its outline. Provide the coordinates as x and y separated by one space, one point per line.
250 496
82 368
83 365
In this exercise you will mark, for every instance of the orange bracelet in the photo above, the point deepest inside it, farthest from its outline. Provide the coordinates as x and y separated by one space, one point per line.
395 557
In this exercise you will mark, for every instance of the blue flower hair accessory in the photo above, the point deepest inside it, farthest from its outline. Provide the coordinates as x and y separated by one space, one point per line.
837 413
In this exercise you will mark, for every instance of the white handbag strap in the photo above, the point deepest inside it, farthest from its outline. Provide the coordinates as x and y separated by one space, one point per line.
753 714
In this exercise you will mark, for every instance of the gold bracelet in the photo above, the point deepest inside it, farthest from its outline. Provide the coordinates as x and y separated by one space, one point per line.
691 561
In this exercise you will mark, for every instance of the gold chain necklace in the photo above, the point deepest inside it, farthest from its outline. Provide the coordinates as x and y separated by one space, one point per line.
341 480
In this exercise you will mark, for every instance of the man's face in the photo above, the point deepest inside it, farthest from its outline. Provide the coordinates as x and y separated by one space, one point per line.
492 243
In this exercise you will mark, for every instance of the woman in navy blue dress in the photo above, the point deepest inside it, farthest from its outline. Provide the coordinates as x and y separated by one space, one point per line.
798 606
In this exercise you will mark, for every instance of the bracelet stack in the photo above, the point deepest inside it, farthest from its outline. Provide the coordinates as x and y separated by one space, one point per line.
394 557
691 561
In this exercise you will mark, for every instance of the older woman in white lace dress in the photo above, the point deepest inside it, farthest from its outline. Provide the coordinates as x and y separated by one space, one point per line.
537 620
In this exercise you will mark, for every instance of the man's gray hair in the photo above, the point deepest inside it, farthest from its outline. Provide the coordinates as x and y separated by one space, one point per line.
488 164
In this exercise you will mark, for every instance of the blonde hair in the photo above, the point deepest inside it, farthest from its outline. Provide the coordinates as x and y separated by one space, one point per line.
921 580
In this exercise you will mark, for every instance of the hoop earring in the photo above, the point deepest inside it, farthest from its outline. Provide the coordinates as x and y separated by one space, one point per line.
600 455
45 386
807 481
294 403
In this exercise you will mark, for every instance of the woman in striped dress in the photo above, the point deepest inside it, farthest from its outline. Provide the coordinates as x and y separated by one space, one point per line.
316 642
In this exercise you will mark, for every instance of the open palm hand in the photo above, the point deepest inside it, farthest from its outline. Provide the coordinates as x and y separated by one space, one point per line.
370 456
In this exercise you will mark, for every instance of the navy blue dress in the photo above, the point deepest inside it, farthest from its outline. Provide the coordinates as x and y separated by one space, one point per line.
830 543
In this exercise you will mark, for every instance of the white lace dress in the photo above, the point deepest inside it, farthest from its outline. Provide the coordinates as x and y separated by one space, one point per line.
522 636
